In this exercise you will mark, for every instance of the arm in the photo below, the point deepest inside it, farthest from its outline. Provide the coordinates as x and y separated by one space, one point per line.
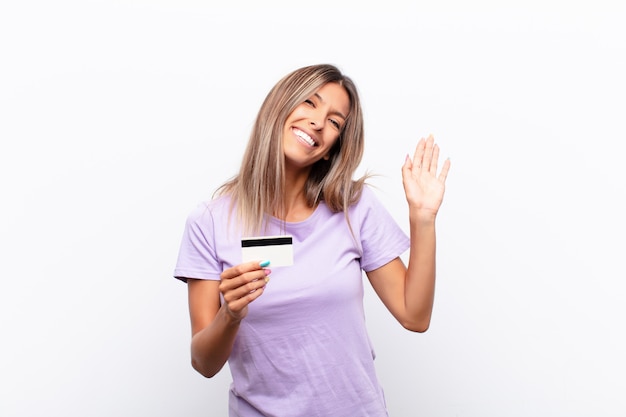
214 326
409 292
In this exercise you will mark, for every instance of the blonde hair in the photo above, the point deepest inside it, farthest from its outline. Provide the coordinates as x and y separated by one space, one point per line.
258 189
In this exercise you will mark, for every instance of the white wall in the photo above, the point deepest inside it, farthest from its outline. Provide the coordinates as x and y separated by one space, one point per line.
117 117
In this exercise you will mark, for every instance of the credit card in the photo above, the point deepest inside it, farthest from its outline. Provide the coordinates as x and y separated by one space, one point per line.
276 249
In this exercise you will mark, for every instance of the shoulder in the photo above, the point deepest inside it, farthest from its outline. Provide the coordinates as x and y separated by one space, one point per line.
367 199
210 208
372 208
367 193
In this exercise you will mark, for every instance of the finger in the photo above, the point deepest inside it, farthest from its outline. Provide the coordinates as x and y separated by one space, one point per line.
444 171
428 152
419 154
229 284
435 161
406 167
245 289
237 305
241 269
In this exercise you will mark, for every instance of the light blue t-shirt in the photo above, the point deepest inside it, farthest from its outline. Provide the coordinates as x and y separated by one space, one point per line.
303 349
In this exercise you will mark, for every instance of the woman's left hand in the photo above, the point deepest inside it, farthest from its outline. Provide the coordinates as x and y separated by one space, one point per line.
424 189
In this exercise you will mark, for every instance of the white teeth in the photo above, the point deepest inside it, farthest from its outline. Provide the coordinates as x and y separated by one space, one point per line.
304 136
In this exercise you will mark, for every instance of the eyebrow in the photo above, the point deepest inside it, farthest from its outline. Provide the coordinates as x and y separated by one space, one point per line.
338 113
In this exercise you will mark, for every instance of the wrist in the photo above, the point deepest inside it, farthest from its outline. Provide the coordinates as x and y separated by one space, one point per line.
422 216
230 318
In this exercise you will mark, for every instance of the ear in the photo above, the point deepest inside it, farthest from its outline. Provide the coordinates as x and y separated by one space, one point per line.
326 157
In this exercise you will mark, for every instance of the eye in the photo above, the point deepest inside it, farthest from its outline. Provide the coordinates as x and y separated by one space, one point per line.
335 123
309 102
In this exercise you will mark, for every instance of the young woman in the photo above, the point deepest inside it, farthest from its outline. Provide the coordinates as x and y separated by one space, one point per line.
297 344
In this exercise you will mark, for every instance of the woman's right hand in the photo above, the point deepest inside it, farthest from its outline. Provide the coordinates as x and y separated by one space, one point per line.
241 285
214 324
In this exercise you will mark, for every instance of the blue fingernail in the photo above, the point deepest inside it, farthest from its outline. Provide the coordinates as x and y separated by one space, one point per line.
264 264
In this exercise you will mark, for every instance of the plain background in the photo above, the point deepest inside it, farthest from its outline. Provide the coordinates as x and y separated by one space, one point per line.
118 117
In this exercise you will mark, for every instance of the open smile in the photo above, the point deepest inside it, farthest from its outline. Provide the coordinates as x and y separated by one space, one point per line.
305 137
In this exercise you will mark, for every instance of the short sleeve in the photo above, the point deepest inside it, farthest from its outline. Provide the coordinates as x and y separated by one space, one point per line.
381 238
197 256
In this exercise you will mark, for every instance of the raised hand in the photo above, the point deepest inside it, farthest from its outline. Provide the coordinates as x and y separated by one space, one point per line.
424 189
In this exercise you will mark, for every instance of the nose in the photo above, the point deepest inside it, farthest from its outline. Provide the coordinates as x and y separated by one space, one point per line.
316 121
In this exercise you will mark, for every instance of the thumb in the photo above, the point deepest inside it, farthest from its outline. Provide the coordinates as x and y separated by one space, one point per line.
406 167
408 164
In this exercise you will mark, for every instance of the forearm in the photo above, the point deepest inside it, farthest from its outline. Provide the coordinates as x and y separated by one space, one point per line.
211 346
421 271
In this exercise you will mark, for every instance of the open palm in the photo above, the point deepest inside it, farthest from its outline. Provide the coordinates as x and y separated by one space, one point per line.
424 189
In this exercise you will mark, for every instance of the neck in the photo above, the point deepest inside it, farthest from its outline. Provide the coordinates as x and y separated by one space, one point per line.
295 206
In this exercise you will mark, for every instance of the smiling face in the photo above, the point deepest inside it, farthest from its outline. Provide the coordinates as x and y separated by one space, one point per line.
314 126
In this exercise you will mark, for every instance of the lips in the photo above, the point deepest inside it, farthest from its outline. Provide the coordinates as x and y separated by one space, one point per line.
304 136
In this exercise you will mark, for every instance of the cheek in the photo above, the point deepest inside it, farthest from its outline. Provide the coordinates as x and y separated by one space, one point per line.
332 143
298 113
332 138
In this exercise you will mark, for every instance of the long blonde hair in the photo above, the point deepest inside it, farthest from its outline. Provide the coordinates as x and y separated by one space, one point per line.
258 189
